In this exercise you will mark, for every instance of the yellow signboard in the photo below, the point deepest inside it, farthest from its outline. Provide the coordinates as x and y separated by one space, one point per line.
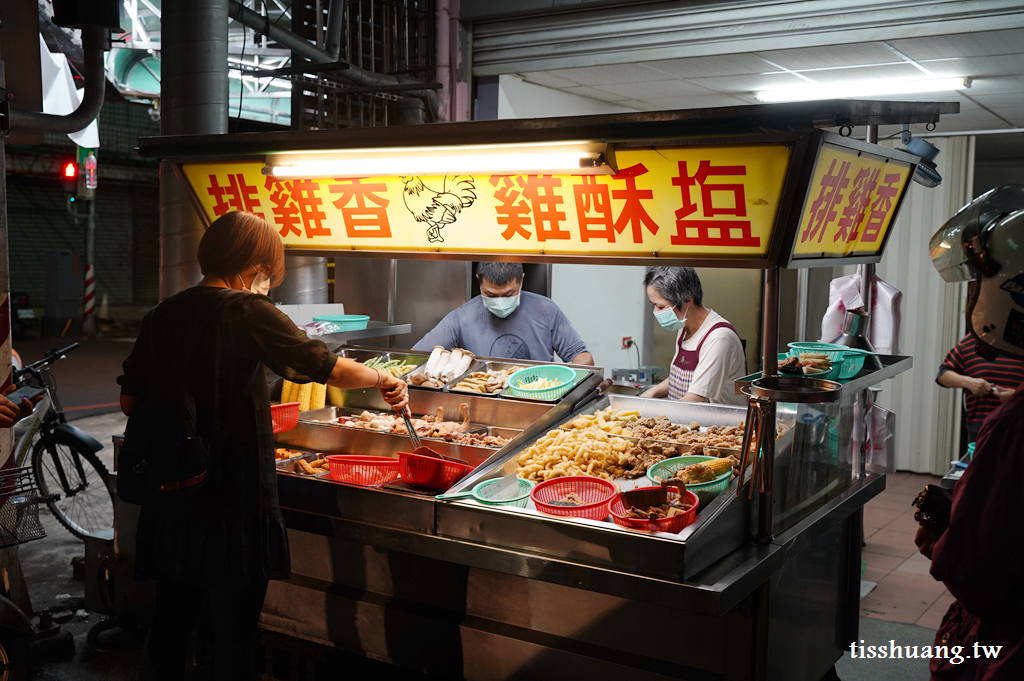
851 203
673 202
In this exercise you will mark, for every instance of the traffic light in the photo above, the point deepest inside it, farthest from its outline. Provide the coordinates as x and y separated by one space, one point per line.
69 177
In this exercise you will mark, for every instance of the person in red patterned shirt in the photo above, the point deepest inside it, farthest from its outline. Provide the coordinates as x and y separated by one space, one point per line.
986 383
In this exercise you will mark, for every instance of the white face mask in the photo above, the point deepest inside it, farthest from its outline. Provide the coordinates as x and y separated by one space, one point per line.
260 284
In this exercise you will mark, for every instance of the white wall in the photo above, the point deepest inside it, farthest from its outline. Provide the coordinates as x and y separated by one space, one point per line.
927 415
603 302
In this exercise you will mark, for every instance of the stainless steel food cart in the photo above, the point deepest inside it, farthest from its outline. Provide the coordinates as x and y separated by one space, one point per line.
755 589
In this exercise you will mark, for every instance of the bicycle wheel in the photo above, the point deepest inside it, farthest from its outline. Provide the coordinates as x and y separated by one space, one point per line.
80 478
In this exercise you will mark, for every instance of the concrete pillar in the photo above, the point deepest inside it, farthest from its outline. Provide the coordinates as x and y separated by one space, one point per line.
193 100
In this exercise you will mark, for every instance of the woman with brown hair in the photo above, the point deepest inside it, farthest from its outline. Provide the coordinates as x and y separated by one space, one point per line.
219 540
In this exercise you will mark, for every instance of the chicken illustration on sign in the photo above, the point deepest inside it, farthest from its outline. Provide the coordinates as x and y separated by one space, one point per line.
438 208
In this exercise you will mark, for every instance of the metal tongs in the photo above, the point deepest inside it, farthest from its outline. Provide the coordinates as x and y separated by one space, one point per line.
762 443
418 444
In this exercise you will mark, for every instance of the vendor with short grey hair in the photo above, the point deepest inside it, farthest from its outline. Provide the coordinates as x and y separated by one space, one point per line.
709 352
506 321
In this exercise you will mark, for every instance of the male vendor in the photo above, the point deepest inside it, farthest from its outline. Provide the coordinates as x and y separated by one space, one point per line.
506 321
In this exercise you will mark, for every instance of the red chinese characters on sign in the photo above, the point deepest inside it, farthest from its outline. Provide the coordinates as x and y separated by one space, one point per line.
296 202
860 198
710 231
530 201
235 194
881 208
594 209
363 221
825 207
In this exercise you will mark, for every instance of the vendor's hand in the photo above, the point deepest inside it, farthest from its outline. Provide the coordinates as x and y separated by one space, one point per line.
395 392
925 540
11 413
649 392
980 387
1002 393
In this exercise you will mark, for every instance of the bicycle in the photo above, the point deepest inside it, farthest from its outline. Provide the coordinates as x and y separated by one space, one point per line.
63 458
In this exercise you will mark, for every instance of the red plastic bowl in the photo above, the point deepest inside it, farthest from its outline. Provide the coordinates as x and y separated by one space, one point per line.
673 524
596 492
284 416
362 470
426 471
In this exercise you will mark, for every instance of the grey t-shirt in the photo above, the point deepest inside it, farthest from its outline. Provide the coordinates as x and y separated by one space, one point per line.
534 331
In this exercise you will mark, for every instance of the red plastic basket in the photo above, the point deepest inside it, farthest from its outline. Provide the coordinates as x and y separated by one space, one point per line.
362 470
426 471
595 492
284 416
673 524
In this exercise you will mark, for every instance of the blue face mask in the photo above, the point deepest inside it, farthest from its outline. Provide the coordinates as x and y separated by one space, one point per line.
668 320
502 307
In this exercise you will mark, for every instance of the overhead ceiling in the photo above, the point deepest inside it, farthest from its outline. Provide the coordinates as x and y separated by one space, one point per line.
994 59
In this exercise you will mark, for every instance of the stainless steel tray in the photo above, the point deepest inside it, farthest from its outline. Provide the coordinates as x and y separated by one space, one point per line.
420 369
291 466
485 366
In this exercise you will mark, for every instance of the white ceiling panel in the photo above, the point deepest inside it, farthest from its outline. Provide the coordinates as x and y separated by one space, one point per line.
649 90
1002 101
760 81
962 45
977 119
1000 65
833 55
704 67
1014 114
667 104
594 93
846 75
612 74
547 79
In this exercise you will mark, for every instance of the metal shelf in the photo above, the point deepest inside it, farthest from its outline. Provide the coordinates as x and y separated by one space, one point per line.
372 330
892 365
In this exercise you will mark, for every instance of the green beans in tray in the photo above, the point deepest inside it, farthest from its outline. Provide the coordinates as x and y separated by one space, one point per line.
395 367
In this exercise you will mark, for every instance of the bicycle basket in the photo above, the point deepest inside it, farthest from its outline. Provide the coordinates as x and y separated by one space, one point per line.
19 507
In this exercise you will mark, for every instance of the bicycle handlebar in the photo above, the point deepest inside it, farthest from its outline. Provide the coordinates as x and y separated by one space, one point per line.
49 358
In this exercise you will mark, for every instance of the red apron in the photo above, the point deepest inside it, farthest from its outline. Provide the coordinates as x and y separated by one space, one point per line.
680 375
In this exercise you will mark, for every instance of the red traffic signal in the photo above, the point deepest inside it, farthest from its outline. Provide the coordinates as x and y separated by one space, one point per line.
69 177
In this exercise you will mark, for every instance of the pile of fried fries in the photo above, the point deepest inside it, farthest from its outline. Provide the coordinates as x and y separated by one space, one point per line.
578 451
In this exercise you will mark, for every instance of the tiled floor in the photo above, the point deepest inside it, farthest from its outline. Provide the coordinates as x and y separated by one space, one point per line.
906 592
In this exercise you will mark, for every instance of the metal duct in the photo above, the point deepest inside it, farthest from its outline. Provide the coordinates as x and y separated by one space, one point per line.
95 40
193 100
352 74
305 281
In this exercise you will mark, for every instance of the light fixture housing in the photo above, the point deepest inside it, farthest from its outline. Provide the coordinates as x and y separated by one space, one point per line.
571 158
863 88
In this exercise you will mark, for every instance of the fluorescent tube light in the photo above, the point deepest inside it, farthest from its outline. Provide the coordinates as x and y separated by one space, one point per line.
563 157
864 88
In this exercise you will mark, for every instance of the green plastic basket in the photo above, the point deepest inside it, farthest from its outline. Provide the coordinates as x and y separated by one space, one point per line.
552 371
834 352
853 362
705 491
478 494
525 487
345 322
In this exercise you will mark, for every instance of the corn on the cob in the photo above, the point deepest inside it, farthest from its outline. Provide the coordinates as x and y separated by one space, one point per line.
335 397
287 391
305 395
318 399
719 466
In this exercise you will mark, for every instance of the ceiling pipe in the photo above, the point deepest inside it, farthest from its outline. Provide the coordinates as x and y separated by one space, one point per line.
335 17
304 48
95 41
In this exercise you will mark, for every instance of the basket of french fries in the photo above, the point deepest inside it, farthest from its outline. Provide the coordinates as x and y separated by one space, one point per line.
547 382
